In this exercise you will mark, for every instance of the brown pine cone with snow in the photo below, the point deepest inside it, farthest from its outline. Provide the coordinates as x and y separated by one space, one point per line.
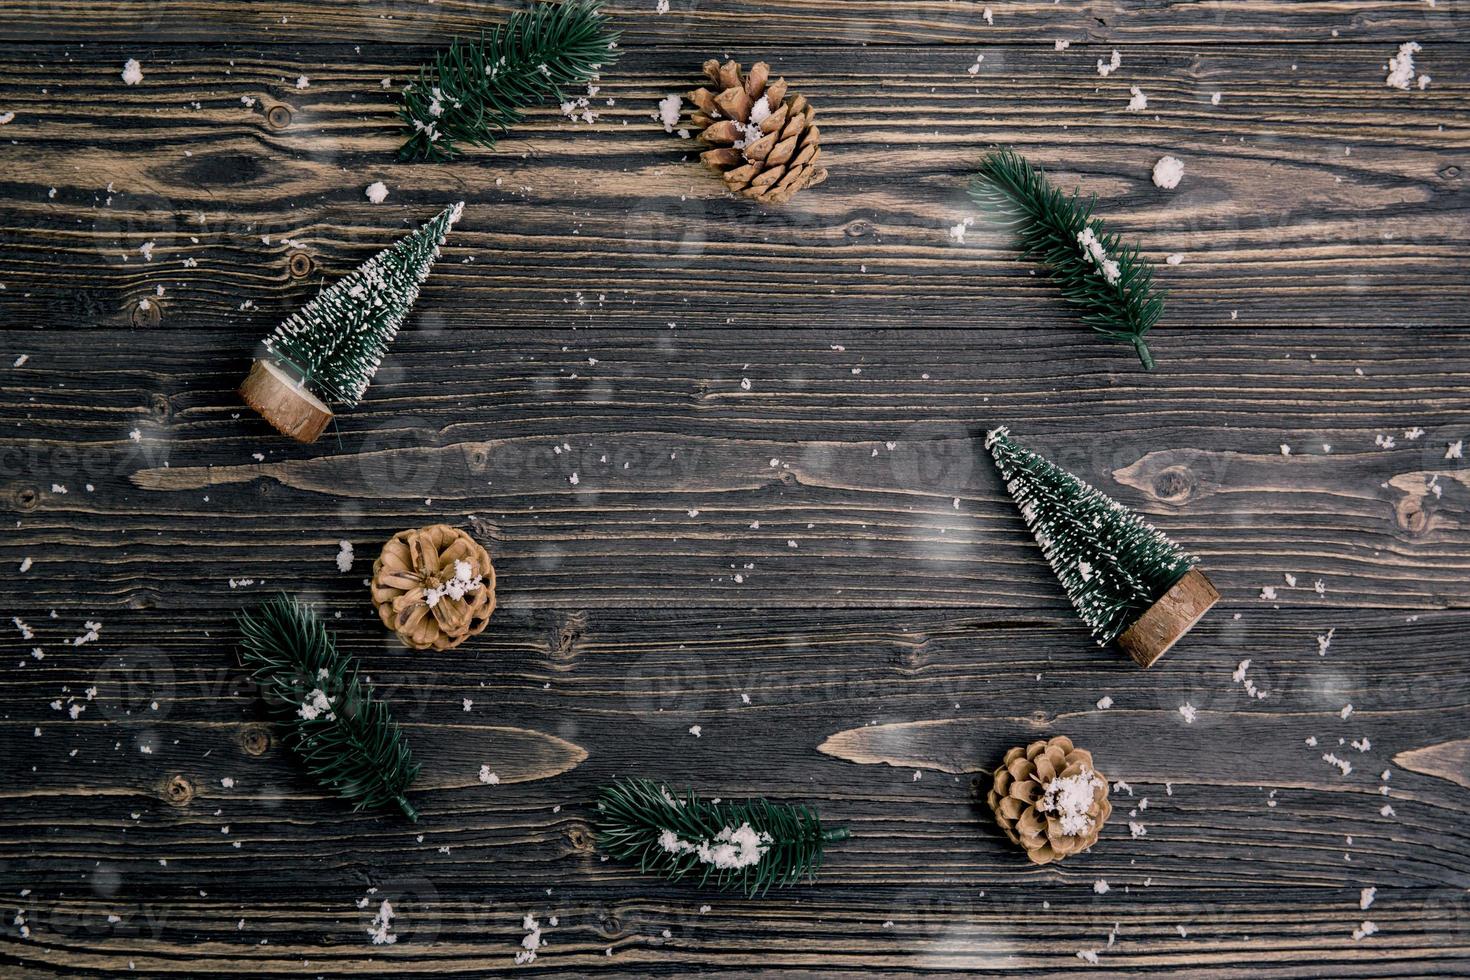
1048 798
765 144
434 586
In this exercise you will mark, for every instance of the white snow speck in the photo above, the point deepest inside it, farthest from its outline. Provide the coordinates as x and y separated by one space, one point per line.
377 192
132 72
1167 172
669 110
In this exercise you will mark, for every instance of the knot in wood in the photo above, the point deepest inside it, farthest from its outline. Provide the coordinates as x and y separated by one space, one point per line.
581 839
278 117
178 790
159 407
1174 484
27 498
146 313
858 228
298 264
255 740
1411 516
609 924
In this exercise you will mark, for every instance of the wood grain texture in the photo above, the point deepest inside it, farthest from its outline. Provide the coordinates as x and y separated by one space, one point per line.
1309 187
744 22
728 462
1241 814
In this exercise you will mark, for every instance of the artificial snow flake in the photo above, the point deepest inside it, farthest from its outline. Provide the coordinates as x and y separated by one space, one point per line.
730 848
669 111
1094 250
1167 172
532 940
1401 68
377 192
1069 798
132 72
381 930
344 556
1138 101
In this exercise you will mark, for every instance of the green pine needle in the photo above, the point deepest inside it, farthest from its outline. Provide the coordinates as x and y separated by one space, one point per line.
352 745
640 822
475 91
1048 224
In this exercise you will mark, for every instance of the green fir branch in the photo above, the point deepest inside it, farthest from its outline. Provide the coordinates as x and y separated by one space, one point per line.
641 822
477 90
1118 302
346 737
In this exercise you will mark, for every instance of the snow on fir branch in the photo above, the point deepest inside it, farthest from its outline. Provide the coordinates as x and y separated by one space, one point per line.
475 91
335 343
751 845
345 736
1112 563
1108 283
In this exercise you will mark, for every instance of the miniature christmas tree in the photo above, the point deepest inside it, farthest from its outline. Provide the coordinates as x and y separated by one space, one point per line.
750 845
330 349
476 90
1127 581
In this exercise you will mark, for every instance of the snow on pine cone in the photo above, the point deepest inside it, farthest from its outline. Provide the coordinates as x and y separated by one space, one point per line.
765 144
1049 799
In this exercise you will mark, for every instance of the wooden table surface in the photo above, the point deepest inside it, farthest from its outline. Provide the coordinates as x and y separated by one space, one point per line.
783 530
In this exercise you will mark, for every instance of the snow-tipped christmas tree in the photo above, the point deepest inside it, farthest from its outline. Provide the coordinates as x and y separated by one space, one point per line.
330 349
1126 580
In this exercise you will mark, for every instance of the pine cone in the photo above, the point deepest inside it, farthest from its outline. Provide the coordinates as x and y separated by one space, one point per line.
434 586
1049 799
766 145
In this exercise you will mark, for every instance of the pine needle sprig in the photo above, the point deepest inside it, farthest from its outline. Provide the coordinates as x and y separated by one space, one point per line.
477 90
1108 282
751 845
346 737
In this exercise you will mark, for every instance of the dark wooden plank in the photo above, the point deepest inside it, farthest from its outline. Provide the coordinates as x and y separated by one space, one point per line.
737 25
1241 814
1308 188
816 484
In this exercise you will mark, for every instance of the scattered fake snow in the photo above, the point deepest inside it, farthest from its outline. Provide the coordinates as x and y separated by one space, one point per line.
1167 172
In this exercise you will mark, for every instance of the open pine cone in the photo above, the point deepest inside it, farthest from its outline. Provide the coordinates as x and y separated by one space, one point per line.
766 145
434 586
1049 799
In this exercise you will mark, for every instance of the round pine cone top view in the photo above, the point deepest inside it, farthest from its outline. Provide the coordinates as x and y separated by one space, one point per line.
766 145
434 586
1048 798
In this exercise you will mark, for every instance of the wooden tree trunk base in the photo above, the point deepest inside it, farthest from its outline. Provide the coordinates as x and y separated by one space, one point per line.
284 403
1176 612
